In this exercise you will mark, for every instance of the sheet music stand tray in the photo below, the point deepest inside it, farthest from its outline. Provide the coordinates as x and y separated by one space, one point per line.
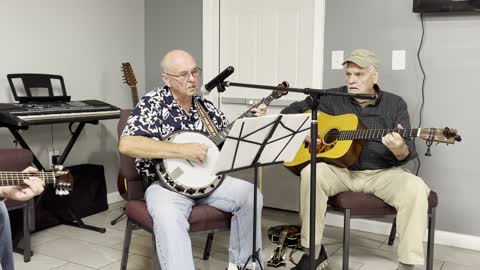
261 141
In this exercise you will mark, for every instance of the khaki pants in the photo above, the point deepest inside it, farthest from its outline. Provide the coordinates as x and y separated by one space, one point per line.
396 186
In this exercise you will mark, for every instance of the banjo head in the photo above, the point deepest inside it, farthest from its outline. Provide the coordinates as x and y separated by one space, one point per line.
186 177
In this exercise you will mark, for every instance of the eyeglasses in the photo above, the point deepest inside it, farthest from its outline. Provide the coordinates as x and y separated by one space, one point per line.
183 76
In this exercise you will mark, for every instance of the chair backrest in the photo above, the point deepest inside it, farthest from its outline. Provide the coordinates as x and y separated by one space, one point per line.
33 80
15 159
135 184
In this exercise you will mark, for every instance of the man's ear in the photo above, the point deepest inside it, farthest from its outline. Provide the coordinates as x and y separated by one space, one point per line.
166 79
375 77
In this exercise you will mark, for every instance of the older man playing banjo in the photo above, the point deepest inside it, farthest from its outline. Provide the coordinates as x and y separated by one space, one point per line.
161 112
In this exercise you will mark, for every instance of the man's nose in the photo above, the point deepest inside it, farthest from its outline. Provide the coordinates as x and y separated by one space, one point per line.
190 77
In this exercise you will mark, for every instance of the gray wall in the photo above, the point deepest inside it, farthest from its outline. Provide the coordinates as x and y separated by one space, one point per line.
170 24
85 42
451 59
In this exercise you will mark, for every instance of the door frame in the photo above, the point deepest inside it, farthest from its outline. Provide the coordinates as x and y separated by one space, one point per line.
211 43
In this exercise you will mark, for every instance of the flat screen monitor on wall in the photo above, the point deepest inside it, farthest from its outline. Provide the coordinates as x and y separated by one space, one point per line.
425 6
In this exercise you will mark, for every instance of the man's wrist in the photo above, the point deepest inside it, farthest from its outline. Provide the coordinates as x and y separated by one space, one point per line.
403 153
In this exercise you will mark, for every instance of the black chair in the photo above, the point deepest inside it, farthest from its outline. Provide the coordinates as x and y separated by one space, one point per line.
361 205
203 218
32 80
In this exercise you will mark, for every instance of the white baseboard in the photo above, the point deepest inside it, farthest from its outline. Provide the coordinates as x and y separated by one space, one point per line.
378 227
114 197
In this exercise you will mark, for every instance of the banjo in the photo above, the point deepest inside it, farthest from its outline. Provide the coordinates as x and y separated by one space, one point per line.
192 179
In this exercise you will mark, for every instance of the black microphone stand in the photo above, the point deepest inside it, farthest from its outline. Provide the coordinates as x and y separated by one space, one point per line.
315 95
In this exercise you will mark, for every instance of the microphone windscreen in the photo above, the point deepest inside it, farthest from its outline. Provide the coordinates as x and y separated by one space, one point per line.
202 91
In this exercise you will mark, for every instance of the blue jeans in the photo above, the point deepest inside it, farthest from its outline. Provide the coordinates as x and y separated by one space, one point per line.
6 252
170 212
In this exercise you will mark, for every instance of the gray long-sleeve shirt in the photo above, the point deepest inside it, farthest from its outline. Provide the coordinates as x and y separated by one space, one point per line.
388 111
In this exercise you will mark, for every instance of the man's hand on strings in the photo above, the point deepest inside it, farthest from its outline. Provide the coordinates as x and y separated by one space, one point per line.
396 144
308 143
31 187
260 110
195 152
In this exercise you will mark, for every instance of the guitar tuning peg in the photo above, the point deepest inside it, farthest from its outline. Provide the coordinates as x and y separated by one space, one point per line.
428 143
61 192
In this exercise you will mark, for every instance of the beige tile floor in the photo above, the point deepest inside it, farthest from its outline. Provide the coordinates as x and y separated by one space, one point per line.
68 248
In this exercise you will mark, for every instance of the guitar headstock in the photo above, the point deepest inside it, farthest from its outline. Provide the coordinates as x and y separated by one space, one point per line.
279 93
63 182
440 135
128 76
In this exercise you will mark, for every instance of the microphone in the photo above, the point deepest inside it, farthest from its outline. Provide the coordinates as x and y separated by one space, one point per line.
219 78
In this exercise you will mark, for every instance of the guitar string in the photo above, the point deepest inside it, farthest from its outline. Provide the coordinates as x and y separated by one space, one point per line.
16 178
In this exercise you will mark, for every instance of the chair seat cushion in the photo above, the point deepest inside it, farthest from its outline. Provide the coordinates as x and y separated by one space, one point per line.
15 159
367 204
12 204
201 218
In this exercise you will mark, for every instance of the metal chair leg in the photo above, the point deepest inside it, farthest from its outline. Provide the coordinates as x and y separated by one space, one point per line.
208 246
393 232
346 238
25 238
431 239
27 245
117 219
126 244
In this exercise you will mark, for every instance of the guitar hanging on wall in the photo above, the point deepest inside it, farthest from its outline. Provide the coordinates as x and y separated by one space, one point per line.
131 81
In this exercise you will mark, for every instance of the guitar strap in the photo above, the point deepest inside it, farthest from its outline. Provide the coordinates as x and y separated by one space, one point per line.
212 130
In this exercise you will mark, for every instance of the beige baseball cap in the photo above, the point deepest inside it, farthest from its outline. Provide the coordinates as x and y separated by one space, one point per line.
363 58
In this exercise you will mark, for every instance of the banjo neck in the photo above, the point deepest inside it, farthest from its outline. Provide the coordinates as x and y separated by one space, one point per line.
221 136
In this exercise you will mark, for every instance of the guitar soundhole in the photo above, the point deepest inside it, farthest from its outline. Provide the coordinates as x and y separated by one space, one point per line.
331 136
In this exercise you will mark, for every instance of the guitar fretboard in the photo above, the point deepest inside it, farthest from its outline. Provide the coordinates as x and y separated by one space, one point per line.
362 134
16 178
133 88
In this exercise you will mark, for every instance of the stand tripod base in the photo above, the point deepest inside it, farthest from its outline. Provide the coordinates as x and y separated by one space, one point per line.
79 223
255 261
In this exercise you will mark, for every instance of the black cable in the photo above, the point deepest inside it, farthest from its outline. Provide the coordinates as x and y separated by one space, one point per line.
423 89
51 135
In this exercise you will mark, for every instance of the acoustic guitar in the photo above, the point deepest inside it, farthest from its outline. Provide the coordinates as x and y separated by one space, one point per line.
342 137
131 81
62 180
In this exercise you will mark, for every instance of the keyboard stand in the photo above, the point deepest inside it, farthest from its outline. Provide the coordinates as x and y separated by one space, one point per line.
77 222
66 151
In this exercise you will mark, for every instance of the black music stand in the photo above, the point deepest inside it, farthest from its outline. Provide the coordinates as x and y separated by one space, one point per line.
261 141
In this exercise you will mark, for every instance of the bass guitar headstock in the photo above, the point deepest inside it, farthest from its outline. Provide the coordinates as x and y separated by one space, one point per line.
279 93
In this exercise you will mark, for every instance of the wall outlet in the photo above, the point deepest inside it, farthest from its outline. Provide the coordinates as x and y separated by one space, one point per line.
398 59
51 155
337 59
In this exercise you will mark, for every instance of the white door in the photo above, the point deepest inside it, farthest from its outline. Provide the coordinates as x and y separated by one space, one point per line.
267 42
